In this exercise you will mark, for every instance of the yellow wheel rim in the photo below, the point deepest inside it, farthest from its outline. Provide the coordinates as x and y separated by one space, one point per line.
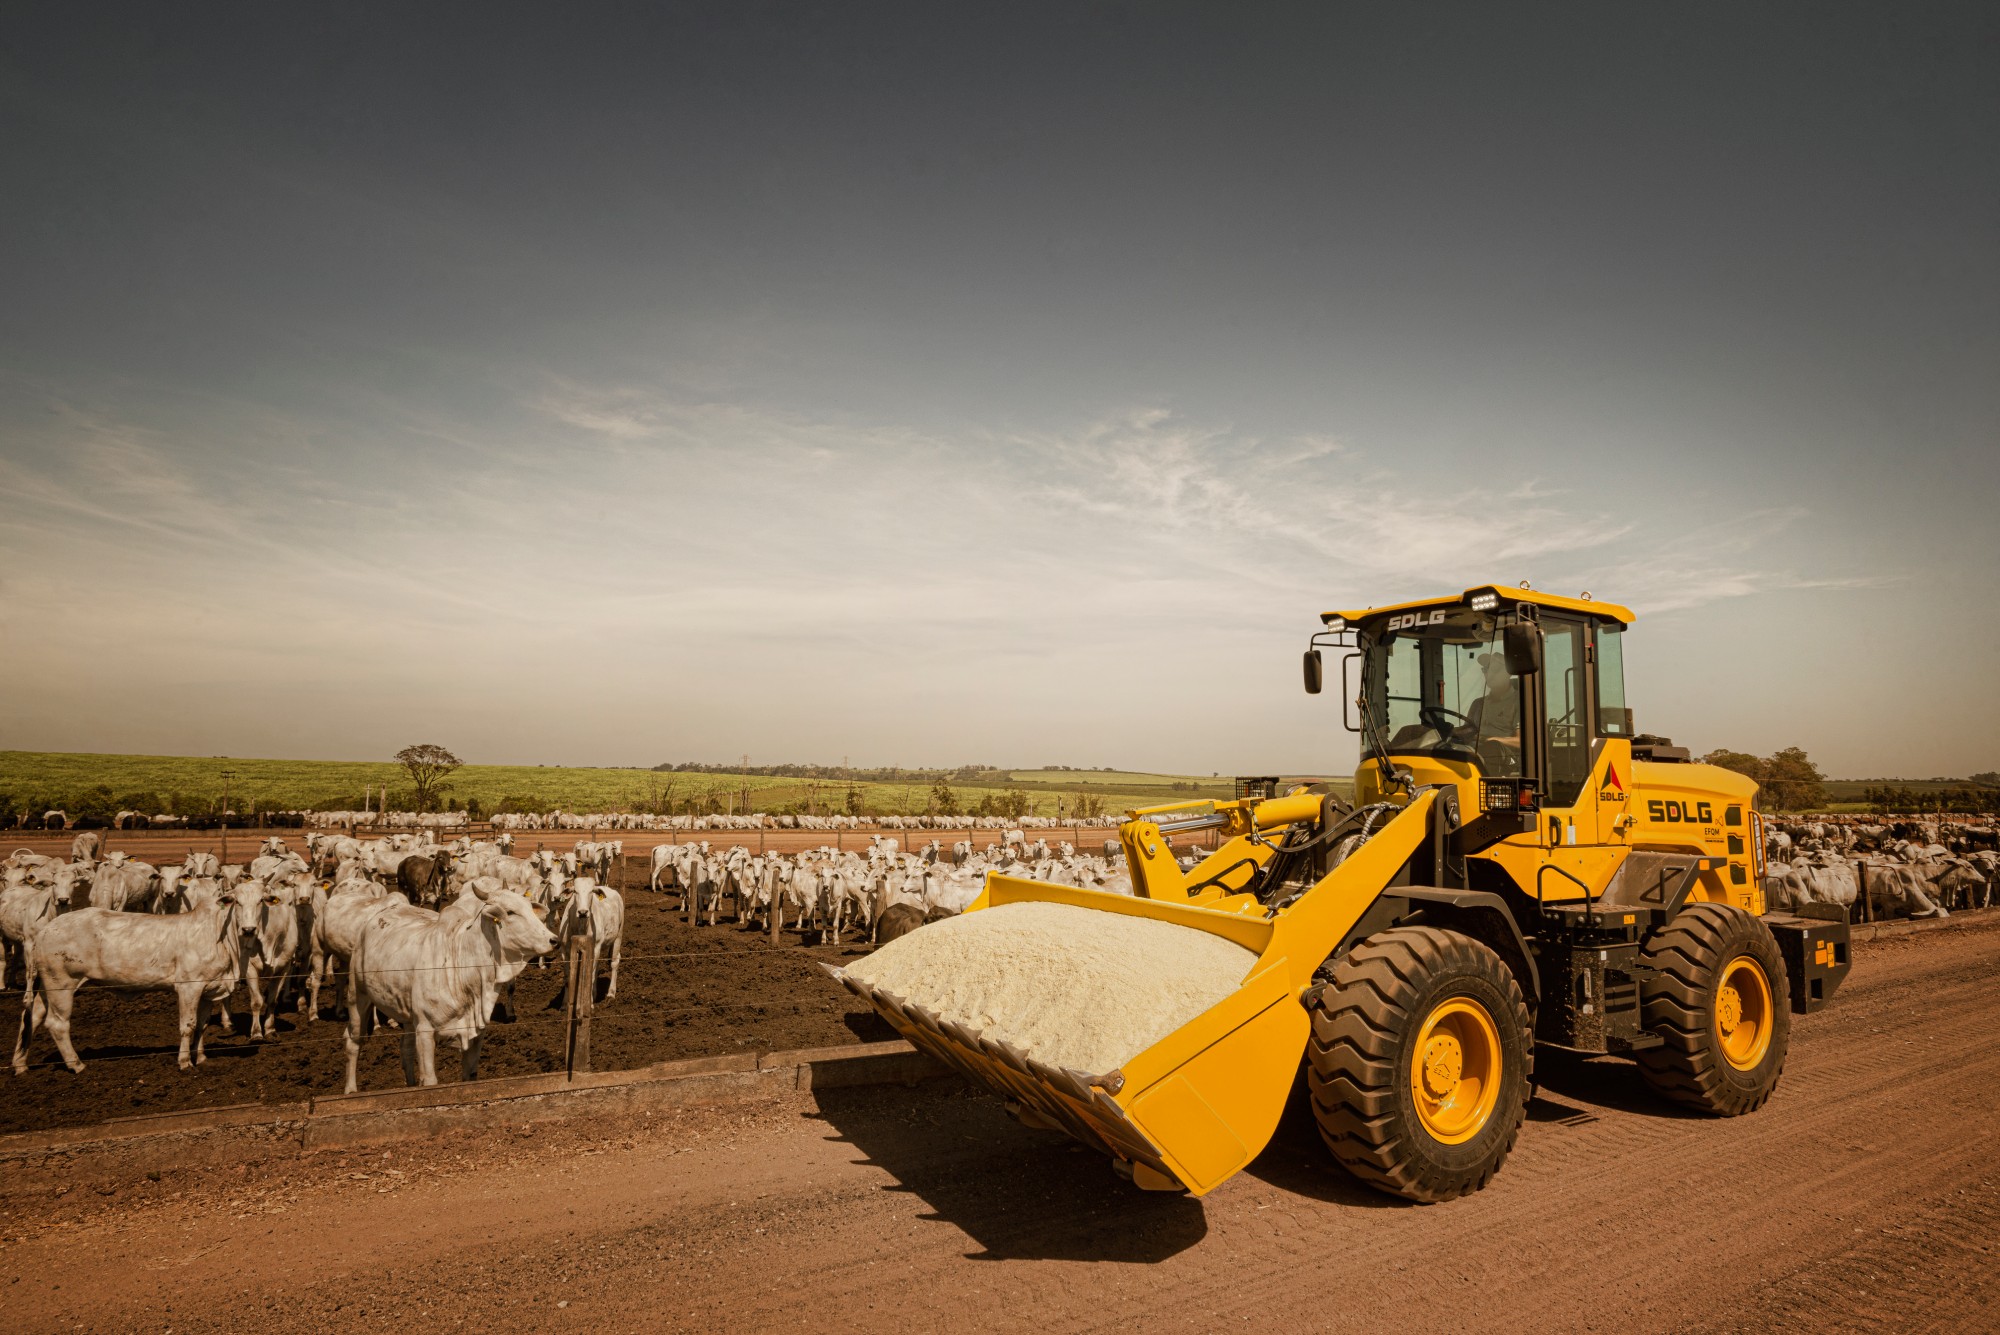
1455 1070
1743 1013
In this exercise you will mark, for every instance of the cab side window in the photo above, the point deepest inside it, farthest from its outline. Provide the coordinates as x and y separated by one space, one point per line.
1567 704
1614 716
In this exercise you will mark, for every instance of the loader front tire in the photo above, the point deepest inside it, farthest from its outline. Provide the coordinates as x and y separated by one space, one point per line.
1717 996
1419 1062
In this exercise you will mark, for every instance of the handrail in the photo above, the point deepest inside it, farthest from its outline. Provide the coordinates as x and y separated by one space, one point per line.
1589 897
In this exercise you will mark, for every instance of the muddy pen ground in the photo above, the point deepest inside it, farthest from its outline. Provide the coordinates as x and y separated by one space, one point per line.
682 992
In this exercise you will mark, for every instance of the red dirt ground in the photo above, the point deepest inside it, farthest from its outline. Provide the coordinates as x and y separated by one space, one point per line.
1863 1197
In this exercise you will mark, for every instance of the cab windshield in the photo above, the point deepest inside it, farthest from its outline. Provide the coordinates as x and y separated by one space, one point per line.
1437 683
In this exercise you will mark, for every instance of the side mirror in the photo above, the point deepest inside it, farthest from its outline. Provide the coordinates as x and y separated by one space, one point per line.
1315 672
1523 644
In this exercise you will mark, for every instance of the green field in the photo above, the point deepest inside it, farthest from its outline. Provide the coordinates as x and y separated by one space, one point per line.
1849 796
1122 779
87 784
1139 787
189 785
1850 790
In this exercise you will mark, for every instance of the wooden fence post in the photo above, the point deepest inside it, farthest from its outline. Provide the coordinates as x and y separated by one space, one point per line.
581 986
1861 895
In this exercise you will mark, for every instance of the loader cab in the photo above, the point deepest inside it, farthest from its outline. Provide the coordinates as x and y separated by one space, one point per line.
1505 686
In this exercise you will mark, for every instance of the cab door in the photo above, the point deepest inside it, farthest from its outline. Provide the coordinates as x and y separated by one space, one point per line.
1579 837
1563 706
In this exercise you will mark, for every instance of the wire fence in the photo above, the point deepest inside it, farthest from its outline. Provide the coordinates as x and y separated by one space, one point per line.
574 1023
337 1030
292 973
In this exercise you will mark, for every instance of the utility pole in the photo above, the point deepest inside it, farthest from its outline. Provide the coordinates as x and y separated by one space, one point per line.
227 775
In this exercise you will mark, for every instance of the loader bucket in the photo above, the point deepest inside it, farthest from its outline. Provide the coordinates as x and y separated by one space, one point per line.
1198 1105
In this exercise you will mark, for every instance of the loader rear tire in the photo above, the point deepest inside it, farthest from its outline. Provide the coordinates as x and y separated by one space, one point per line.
1419 1062
1718 997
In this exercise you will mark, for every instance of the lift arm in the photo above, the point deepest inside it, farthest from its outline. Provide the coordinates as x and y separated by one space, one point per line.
1227 871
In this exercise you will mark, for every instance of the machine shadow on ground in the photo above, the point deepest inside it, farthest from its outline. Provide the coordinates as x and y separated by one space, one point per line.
1573 1090
1018 1194
1298 1162
1594 1084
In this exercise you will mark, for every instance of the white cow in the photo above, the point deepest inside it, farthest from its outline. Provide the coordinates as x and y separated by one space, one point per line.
604 908
849 897
125 886
199 955
440 973
776 889
25 908
268 969
338 916
270 866
1810 880
71 877
515 873
166 891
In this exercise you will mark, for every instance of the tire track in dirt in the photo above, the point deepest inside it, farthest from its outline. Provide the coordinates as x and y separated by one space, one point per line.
1934 1270
1859 1199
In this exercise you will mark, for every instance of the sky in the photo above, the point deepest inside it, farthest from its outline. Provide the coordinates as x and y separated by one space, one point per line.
1007 384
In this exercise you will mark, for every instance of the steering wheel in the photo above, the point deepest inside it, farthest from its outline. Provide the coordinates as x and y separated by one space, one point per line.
1425 712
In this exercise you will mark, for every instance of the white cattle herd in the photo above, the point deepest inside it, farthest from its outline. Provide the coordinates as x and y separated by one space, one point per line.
645 821
1918 868
867 891
433 934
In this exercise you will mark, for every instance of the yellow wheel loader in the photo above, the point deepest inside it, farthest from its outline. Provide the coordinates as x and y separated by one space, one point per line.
1517 869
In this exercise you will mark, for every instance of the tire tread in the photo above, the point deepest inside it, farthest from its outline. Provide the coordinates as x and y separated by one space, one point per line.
1360 1021
1688 954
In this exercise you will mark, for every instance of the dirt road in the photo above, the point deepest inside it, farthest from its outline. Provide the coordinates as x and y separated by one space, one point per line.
1866 1196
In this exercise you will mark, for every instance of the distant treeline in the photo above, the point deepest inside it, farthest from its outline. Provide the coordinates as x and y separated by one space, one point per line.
972 774
1911 801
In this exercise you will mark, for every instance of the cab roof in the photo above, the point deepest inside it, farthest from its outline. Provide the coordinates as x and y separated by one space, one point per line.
1507 595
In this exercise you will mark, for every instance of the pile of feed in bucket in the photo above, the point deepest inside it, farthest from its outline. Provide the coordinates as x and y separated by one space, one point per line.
1072 987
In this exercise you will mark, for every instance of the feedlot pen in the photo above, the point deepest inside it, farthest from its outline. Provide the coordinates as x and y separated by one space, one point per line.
682 992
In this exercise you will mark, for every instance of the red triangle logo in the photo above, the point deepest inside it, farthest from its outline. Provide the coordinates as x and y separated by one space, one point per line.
1611 778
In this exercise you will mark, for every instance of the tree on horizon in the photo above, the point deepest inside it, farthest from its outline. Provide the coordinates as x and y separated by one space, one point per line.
427 764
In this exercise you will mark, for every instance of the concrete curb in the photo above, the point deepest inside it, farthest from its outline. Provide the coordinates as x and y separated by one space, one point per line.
1869 931
255 1130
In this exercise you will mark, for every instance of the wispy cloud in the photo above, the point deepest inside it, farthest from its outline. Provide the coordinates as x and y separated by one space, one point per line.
1722 558
733 575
